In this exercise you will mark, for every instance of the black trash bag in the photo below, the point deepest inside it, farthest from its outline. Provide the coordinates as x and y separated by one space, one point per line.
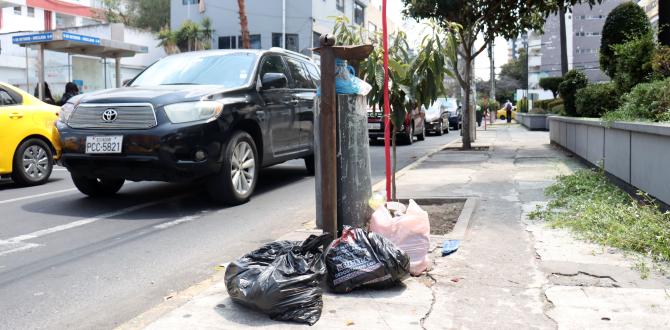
281 279
359 258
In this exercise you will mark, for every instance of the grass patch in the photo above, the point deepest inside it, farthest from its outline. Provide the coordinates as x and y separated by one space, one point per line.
591 206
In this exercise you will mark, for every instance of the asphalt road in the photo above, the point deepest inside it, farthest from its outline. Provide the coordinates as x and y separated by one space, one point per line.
68 261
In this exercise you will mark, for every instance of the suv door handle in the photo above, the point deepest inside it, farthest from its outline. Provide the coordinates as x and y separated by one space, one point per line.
16 115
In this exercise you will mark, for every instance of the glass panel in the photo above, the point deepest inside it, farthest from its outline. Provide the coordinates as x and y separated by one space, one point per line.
230 70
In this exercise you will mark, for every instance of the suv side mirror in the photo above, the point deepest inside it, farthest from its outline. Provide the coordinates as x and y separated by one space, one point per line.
274 80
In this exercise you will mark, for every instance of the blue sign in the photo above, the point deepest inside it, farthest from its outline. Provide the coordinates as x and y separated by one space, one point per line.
81 38
40 37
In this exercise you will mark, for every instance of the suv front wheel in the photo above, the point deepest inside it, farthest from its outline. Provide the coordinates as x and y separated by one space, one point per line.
236 182
97 187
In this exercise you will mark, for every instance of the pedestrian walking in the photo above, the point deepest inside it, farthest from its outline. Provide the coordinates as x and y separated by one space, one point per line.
508 108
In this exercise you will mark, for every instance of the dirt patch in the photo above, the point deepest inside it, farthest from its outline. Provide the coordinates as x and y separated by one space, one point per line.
443 215
478 148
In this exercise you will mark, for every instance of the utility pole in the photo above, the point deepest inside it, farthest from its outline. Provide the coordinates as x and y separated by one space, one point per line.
527 73
492 92
283 24
564 42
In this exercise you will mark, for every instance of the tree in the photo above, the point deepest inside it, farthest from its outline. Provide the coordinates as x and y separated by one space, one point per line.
551 83
633 62
625 22
153 15
467 19
244 24
516 68
572 82
189 37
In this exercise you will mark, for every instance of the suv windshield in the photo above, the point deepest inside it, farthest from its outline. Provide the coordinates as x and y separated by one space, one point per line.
228 70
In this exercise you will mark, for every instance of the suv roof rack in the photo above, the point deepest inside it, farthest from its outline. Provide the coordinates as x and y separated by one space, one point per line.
283 50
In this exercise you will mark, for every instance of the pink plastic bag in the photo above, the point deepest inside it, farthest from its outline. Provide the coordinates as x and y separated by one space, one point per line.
409 230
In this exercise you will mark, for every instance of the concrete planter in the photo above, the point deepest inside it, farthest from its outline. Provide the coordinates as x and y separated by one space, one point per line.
532 121
636 153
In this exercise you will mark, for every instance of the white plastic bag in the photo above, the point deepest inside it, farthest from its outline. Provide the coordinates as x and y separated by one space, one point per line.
409 230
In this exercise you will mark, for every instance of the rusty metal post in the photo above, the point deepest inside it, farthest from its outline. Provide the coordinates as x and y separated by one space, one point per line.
328 136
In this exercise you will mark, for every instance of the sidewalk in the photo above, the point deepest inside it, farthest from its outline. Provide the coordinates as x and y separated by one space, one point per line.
509 273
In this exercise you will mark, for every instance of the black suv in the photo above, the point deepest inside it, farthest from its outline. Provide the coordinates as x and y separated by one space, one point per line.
215 115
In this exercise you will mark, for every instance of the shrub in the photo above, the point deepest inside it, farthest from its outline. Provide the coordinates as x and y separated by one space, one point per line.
645 102
625 22
633 62
660 63
595 100
551 83
541 104
522 105
558 110
555 102
573 81
491 105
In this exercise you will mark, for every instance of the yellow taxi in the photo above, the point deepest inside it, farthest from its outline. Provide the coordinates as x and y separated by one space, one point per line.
502 114
29 140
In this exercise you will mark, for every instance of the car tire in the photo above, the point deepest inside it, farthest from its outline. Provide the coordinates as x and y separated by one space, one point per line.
310 165
33 163
422 136
97 187
235 183
503 117
447 128
440 129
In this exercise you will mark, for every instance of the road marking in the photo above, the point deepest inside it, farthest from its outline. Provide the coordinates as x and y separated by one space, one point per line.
36 234
79 223
35 196
22 247
172 223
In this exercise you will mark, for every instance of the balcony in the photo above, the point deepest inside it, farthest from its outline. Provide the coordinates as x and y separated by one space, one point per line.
12 3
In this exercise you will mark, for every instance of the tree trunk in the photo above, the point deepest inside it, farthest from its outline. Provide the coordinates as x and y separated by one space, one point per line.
244 25
564 42
467 138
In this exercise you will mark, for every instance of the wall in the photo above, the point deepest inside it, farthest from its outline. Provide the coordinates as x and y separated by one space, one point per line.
635 153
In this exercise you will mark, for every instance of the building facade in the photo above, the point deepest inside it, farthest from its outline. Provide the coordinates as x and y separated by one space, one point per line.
43 15
583 33
305 20
651 8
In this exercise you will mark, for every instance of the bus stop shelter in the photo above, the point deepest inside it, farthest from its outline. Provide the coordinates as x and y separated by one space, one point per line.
76 44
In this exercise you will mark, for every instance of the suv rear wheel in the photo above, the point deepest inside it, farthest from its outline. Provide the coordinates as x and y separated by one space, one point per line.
97 187
309 165
236 182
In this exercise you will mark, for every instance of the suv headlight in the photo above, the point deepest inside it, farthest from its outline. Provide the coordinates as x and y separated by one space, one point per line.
65 112
193 111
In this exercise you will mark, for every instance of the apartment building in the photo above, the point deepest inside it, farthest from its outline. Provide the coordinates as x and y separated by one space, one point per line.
43 15
305 20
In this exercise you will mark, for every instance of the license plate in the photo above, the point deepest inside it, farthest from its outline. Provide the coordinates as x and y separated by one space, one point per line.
104 144
375 126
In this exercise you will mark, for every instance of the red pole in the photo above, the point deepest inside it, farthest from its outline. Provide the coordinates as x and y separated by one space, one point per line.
387 110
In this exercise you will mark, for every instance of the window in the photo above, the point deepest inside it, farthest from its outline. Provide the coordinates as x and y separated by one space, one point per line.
235 42
273 64
301 78
31 12
17 10
313 72
190 2
6 99
339 4
359 14
316 36
291 41
227 70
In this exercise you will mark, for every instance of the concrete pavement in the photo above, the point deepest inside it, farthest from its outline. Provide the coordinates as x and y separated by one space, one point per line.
509 273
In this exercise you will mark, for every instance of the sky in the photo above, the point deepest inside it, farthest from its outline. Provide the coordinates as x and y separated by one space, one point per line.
414 32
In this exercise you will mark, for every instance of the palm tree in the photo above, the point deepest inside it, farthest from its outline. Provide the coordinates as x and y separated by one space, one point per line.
168 40
244 24
205 34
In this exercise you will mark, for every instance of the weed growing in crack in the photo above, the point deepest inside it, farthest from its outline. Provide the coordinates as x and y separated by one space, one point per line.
591 206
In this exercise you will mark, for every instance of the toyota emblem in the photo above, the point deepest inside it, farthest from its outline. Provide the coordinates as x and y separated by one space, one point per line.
109 115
